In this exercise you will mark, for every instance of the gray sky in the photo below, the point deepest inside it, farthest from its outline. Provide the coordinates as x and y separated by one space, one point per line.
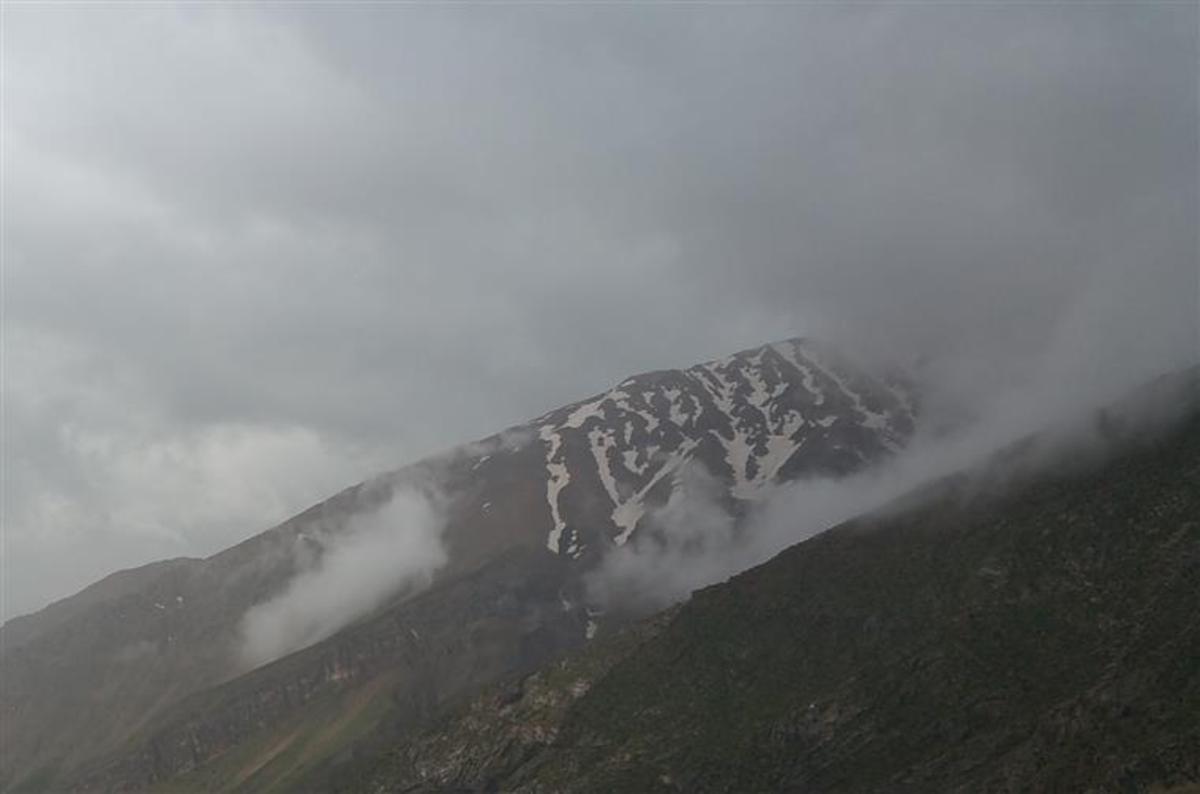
253 254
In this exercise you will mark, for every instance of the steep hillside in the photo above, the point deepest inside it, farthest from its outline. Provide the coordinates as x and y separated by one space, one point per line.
121 675
1042 639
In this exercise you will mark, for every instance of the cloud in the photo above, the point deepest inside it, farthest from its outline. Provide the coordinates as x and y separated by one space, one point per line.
342 220
395 548
97 478
1098 359
689 542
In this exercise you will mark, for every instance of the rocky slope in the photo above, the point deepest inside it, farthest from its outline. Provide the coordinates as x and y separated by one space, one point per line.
1043 638
778 412
115 686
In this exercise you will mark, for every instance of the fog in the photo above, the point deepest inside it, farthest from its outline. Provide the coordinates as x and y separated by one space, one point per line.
388 552
252 254
1107 353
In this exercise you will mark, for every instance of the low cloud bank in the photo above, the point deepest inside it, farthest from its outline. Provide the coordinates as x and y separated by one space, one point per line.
694 540
377 555
689 542
1090 377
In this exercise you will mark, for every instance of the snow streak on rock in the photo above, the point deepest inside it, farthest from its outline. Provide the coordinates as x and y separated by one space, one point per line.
773 413
557 477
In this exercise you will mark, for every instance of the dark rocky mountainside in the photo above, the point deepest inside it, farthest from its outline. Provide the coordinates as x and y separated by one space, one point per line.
137 678
778 412
1042 638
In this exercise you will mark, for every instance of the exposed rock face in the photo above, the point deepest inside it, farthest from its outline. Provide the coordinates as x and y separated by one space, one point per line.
84 677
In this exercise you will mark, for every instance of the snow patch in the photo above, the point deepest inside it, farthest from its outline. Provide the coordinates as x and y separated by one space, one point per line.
599 440
779 449
789 353
584 412
634 508
626 515
676 414
738 452
870 419
629 458
557 478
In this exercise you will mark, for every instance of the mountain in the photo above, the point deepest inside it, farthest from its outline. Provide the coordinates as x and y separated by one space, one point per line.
138 678
779 412
1041 637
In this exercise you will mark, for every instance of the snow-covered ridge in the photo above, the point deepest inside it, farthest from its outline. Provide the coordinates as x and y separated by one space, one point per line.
772 413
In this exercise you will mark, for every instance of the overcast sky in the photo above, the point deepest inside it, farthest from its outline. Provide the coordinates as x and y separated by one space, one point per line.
253 254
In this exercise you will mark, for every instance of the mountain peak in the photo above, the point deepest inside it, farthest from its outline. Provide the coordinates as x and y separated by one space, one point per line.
774 412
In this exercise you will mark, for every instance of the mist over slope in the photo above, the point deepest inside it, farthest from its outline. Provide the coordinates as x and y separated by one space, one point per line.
1039 636
253 253
520 612
552 497
396 546
256 252
1113 338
